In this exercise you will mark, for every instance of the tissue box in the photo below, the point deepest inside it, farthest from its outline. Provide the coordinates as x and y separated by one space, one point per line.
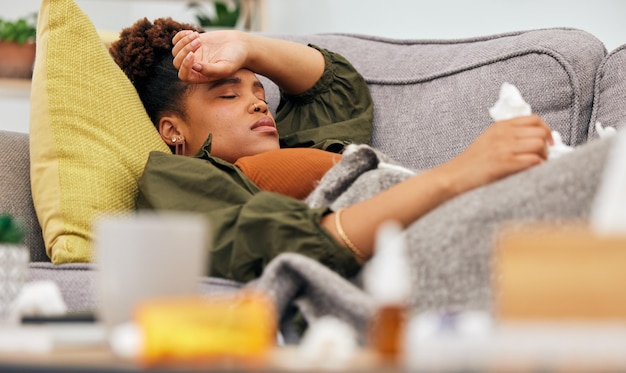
559 273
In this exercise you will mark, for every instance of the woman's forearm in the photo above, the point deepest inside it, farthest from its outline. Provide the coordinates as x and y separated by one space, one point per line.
403 203
293 67
505 148
210 56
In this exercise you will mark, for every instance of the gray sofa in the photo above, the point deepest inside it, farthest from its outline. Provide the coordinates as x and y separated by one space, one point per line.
431 100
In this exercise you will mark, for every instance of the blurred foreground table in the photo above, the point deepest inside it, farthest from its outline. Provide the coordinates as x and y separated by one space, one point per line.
100 358
510 347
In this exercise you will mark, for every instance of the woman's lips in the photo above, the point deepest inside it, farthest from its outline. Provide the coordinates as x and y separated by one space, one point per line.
264 124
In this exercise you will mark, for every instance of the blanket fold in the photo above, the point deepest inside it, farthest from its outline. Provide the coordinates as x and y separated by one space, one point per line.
316 290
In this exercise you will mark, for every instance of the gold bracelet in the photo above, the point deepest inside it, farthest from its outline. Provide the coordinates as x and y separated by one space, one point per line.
355 250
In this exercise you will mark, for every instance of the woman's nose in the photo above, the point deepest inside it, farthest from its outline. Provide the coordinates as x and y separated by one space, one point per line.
259 106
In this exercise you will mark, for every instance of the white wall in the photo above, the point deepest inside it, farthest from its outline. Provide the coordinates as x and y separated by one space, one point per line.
447 18
108 14
411 19
393 18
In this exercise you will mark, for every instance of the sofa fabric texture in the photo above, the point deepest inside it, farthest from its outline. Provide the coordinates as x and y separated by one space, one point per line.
431 100
15 192
432 97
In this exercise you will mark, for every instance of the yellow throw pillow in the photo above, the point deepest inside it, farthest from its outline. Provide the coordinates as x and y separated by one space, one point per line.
89 133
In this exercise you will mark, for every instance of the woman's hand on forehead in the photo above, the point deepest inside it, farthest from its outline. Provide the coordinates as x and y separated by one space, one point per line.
210 56
206 57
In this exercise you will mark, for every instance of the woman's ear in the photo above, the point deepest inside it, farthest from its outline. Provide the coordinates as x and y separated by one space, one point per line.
168 129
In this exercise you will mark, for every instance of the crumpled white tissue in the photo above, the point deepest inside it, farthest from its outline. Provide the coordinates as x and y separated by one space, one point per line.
328 344
605 132
558 148
511 104
39 298
126 340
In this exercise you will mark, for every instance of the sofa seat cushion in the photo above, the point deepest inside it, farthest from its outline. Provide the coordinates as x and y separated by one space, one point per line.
78 281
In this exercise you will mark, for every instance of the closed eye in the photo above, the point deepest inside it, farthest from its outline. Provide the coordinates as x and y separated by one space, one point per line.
228 97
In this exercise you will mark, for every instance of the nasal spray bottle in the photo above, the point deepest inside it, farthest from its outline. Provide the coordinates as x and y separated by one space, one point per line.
387 280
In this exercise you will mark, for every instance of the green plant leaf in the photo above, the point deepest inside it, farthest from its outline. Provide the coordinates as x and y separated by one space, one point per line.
11 231
21 31
223 15
5 222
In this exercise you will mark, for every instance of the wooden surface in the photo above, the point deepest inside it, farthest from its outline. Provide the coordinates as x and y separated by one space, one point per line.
549 273
100 359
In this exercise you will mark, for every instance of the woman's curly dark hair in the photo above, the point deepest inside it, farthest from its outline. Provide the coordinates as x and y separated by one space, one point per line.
144 53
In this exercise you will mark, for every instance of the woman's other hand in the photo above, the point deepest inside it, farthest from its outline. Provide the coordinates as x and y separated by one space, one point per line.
505 148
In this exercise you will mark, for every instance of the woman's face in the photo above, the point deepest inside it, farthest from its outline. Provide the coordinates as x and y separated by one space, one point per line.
235 112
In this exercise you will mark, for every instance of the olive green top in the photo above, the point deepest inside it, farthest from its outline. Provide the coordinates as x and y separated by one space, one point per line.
250 227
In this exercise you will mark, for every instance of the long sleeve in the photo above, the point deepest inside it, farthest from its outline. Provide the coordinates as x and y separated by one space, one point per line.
248 227
336 111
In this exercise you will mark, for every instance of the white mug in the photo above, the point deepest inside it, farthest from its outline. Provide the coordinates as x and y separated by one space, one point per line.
144 256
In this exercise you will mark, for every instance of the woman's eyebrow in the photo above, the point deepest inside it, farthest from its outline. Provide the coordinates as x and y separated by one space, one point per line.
233 81
221 82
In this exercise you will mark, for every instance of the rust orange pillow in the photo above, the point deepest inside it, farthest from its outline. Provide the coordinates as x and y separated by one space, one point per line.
294 172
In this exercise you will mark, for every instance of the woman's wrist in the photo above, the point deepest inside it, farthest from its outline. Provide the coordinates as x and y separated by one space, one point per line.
449 181
251 43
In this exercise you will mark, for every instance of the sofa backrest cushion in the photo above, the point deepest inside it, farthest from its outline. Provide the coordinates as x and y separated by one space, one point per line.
432 97
609 106
15 195
90 135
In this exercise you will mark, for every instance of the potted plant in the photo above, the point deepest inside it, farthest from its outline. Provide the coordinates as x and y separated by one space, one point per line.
17 47
14 259
225 14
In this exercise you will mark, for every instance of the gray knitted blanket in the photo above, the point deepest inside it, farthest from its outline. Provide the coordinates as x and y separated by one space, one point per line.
449 248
